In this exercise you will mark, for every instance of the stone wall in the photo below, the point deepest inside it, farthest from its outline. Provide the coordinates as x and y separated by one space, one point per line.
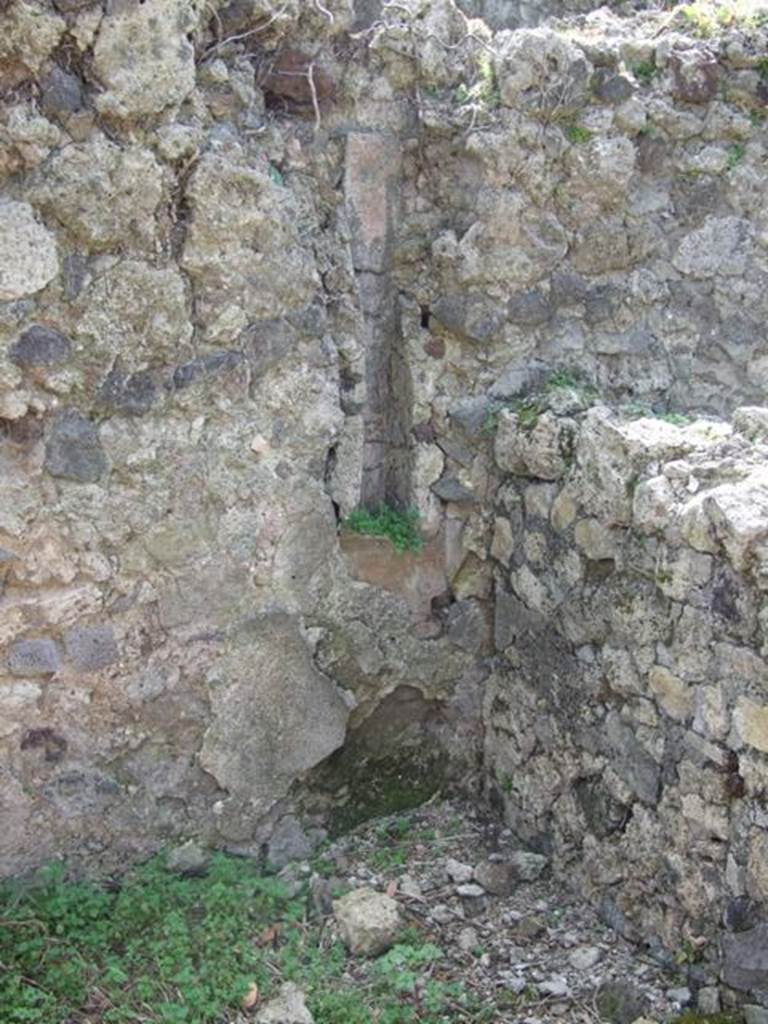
262 261
627 715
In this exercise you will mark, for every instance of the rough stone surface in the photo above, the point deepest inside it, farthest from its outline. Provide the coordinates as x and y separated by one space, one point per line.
289 842
161 71
91 648
190 859
73 450
745 958
33 658
28 253
40 346
288 1007
124 188
267 689
514 280
368 921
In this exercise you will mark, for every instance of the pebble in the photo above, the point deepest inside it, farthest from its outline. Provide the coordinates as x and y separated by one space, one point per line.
409 886
527 928
556 986
442 914
467 940
458 872
584 958
708 1000
680 995
470 891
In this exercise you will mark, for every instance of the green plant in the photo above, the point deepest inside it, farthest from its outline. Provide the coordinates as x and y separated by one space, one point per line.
735 155
528 411
677 419
491 421
644 71
689 953
566 380
484 92
172 950
577 133
388 858
699 20
177 945
704 18
401 528
275 175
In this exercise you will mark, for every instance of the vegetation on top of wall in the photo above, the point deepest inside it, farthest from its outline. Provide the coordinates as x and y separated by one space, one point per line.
644 71
484 92
705 18
399 527
530 407
577 133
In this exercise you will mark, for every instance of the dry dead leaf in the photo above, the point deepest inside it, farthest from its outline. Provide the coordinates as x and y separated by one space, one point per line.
270 935
251 997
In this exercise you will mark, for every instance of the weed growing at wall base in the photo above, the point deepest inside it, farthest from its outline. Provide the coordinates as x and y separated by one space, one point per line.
171 950
164 948
401 528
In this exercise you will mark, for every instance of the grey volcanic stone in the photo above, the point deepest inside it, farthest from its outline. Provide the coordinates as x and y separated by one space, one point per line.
529 308
62 93
611 88
467 625
472 317
91 647
470 416
190 859
33 658
745 958
131 395
289 842
567 289
742 913
207 365
73 450
450 489
40 346
620 1002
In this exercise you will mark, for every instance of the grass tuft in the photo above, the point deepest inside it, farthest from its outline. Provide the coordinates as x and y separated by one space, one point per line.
401 528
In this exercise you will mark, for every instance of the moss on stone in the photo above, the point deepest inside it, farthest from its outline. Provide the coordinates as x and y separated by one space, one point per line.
388 785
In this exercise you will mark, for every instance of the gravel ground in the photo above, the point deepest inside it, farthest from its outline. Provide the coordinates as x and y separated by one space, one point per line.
536 951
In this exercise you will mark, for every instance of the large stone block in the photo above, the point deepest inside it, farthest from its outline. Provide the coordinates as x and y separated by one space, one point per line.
745 958
105 195
144 57
242 249
274 715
